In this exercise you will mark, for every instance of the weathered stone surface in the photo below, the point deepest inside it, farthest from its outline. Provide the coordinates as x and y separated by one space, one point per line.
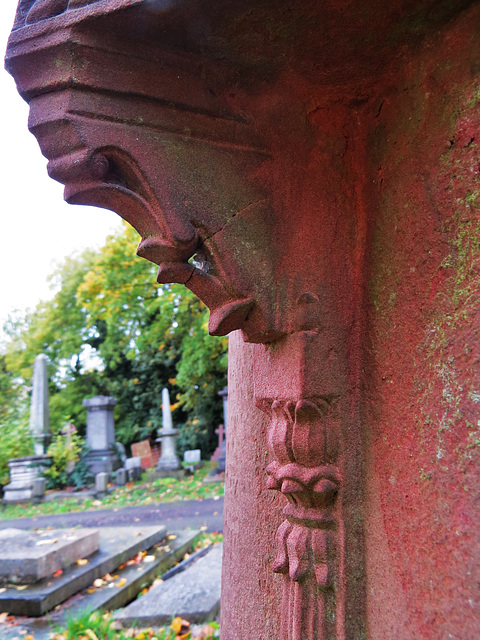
320 162
28 557
193 594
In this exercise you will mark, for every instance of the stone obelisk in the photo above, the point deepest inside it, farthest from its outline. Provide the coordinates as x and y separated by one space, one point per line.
168 460
26 471
39 413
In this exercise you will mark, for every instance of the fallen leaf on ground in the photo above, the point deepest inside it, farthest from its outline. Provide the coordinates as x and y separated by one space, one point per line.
82 562
121 582
180 627
57 573
98 583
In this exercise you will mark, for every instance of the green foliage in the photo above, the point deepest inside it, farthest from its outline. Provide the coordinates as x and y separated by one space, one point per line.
152 336
15 439
65 453
111 330
56 328
85 624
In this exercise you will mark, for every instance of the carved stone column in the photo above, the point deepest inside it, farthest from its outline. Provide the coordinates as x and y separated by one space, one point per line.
262 151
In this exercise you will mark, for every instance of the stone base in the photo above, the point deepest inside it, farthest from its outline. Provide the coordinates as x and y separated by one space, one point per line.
102 461
169 473
23 473
214 477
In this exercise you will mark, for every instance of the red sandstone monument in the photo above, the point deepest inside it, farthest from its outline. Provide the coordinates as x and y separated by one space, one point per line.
320 162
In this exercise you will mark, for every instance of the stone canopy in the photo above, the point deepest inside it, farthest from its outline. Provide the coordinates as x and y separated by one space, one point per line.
309 170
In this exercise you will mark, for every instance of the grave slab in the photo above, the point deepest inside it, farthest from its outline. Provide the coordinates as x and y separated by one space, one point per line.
117 546
108 598
193 594
27 557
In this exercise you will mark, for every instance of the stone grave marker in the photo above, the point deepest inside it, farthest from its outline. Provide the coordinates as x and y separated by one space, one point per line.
168 460
192 456
103 456
24 471
143 450
192 459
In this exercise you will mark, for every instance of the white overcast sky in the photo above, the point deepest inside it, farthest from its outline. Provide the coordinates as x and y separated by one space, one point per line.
37 228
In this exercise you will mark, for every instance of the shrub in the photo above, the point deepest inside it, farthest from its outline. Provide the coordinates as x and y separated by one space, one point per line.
68 466
15 442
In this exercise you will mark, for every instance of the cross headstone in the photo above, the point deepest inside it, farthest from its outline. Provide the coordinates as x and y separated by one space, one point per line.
218 451
221 460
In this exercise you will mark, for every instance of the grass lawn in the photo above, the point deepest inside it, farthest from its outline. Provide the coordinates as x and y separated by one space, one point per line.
98 626
133 494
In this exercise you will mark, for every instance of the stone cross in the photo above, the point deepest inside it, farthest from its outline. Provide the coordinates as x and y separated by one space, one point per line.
39 414
168 458
221 460
218 451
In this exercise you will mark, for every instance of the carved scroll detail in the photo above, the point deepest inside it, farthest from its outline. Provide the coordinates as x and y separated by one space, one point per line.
303 437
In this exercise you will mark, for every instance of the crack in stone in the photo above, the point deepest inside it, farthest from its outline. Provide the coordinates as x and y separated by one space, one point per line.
237 213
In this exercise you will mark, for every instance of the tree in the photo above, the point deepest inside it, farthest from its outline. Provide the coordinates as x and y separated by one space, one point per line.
150 336
111 329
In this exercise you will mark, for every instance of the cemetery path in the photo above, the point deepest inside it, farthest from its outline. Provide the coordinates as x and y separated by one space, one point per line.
175 515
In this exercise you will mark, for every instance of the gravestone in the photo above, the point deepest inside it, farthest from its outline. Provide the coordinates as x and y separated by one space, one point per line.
193 456
101 483
192 460
103 456
168 460
121 477
24 471
143 450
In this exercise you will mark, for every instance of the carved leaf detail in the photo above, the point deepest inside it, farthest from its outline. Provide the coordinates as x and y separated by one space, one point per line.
299 554
320 556
280 433
281 561
309 434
